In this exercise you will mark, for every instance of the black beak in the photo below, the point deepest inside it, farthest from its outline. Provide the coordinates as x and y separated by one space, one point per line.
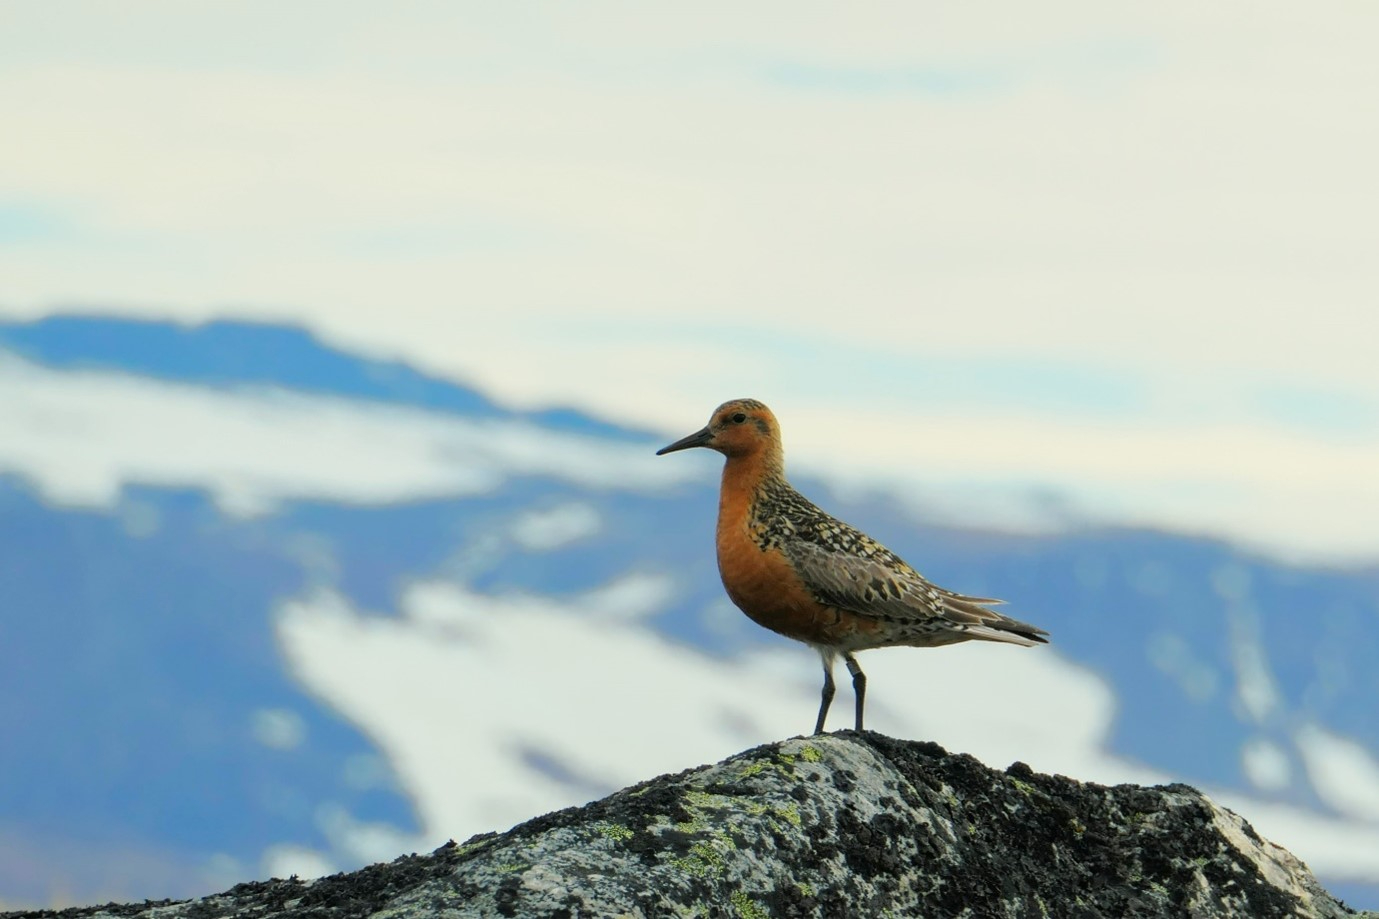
699 438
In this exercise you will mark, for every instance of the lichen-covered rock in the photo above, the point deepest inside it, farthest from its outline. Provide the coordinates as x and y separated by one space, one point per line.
842 825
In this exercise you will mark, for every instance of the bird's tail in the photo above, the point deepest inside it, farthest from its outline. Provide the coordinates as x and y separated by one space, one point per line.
990 625
1012 632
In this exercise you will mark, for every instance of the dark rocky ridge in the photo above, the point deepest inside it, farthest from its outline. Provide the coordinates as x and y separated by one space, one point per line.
842 825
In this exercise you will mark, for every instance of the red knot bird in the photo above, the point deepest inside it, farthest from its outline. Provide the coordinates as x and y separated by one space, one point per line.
808 576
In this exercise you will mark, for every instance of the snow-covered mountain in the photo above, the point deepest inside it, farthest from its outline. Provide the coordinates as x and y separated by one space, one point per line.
268 607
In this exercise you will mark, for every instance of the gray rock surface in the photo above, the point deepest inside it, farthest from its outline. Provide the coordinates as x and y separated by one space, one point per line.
842 825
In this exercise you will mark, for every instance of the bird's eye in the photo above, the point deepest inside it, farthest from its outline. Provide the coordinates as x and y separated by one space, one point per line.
739 418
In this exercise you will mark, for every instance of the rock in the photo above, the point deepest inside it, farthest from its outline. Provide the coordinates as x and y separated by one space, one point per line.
843 825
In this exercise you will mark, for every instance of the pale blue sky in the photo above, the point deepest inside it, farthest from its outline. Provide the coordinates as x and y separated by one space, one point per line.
1119 252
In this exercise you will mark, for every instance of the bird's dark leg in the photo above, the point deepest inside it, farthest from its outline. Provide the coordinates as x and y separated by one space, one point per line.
827 696
859 685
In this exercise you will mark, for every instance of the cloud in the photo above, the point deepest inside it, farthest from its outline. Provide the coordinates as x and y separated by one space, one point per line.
1129 268
1185 209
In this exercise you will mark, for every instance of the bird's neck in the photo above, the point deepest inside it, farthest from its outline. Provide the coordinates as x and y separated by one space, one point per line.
744 476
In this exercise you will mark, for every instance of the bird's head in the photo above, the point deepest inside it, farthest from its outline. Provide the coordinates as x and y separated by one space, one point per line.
742 427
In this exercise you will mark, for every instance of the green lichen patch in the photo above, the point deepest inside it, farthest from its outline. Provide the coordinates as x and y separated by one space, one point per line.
706 858
756 768
614 831
699 804
783 765
746 907
789 813
474 845
1025 787
754 808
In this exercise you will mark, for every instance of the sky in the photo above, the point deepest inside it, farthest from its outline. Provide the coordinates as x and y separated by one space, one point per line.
1031 266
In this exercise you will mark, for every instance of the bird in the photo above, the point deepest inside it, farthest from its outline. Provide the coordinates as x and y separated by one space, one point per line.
802 573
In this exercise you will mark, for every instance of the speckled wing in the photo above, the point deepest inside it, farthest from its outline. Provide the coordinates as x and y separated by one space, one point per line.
849 570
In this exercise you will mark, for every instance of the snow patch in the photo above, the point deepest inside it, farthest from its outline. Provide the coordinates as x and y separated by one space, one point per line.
1344 774
285 861
460 689
1256 691
556 527
632 596
467 684
278 728
82 436
1176 658
1265 764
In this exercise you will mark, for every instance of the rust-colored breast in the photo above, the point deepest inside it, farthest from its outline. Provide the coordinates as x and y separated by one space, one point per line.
763 583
